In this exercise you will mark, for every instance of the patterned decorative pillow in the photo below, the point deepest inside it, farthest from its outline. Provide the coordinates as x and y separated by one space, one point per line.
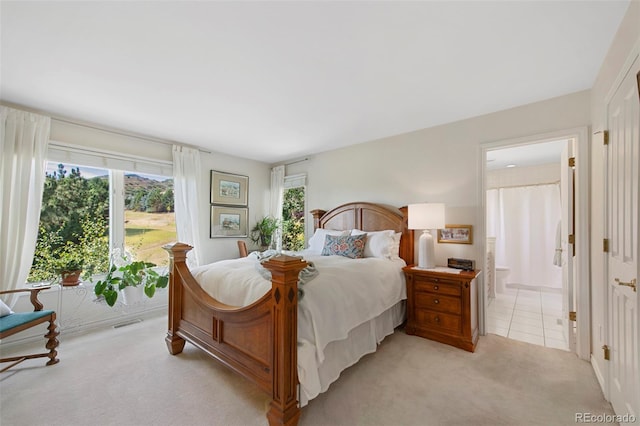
348 246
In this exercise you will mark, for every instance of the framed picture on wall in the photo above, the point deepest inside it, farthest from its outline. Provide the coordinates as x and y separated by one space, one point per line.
229 189
457 234
228 221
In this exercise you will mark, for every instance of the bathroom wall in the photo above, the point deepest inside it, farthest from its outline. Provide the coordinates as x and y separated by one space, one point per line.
521 176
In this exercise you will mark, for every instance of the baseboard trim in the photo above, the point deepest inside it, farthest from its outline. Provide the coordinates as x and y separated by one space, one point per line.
600 377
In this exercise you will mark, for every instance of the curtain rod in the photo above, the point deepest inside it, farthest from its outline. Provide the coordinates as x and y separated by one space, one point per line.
524 186
297 161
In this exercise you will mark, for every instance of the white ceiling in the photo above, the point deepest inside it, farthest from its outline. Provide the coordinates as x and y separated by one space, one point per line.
279 80
534 154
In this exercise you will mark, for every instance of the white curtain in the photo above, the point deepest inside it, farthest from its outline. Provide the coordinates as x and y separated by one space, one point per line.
277 198
523 220
186 183
24 138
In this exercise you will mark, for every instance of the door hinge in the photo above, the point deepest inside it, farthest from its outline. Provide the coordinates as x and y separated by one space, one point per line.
572 239
605 136
606 352
572 162
572 316
605 245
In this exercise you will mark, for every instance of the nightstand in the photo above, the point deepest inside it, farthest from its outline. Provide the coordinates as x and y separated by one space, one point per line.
443 306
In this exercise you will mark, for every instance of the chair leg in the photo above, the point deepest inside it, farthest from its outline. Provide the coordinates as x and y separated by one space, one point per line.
52 342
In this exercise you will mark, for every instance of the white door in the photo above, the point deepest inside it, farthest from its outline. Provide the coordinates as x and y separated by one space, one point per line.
567 253
623 161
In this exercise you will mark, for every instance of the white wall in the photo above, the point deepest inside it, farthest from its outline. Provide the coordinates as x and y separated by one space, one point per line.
626 44
259 182
439 164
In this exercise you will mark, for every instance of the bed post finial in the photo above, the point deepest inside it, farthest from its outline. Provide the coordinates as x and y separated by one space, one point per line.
284 408
317 214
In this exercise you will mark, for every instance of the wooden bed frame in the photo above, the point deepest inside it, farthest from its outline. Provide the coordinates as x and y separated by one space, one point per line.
259 341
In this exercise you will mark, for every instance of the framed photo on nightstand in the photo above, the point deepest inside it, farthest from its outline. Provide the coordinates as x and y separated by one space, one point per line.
456 234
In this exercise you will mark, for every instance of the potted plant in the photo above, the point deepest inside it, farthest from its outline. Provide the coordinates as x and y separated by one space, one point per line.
263 231
69 263
132 275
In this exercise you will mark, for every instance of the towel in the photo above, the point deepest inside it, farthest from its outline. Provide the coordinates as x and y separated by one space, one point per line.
307 274
557 258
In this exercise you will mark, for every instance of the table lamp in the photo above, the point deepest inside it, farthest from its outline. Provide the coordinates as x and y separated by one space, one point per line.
426 216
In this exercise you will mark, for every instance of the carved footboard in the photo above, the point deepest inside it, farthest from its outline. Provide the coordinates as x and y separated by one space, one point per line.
258 341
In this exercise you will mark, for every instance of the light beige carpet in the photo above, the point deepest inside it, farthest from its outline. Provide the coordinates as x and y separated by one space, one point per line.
125 376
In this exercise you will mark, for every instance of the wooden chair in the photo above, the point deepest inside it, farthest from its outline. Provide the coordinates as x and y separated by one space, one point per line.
242 248
16 322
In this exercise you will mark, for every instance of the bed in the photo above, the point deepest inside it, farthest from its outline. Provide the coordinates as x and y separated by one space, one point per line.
260 340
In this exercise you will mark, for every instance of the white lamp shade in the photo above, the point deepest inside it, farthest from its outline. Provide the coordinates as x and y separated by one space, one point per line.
426 216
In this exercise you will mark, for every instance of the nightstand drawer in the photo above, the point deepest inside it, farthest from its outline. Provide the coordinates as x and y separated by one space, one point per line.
438 320
437 302
437 286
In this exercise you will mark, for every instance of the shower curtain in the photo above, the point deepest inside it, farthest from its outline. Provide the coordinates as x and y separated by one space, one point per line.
524 220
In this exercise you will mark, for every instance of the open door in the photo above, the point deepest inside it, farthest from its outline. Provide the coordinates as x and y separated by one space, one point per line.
567 194
623 181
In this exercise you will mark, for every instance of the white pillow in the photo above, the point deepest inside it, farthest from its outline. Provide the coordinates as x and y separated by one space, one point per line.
394 253
379 243
4 309
316 242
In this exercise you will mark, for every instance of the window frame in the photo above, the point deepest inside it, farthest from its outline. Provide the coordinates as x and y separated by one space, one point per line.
297 181
116 164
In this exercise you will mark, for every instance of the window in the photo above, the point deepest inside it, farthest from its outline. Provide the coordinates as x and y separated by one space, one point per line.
293 208
149 218
89 210
74 220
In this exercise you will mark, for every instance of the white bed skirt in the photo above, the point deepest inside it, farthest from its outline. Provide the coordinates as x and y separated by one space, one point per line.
339 355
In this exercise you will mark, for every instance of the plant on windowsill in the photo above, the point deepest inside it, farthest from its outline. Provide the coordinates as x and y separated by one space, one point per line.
263 231
131 275
69 263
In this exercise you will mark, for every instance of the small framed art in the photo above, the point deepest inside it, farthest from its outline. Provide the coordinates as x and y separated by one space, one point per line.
228 221
457 234
229 189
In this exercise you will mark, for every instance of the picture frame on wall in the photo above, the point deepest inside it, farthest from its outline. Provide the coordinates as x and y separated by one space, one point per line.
229 189
228 221
456 234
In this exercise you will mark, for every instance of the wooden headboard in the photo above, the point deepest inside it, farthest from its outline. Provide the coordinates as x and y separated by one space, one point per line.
369 217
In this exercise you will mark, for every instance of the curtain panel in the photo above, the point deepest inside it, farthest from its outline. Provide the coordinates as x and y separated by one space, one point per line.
24 138
276 200
524 221
186 183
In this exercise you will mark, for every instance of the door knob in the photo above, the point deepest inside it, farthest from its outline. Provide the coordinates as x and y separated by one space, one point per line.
631 284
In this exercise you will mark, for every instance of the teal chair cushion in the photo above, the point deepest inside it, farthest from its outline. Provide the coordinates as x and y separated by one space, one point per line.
17 319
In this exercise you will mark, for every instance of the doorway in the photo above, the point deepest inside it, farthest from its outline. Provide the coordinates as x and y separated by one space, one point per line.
530 267
523 210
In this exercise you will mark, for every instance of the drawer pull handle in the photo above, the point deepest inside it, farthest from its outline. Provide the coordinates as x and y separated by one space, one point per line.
436 301
435 287
437 319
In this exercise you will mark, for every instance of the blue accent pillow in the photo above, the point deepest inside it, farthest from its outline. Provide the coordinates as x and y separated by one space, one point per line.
351 246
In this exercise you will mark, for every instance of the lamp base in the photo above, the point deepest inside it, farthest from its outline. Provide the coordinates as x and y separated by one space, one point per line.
426 251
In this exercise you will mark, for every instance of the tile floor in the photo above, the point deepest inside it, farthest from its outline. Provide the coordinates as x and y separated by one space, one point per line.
531 316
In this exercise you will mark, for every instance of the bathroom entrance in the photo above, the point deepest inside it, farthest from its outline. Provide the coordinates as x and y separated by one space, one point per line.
528 191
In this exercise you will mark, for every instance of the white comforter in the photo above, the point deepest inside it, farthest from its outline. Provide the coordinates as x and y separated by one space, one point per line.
345 294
